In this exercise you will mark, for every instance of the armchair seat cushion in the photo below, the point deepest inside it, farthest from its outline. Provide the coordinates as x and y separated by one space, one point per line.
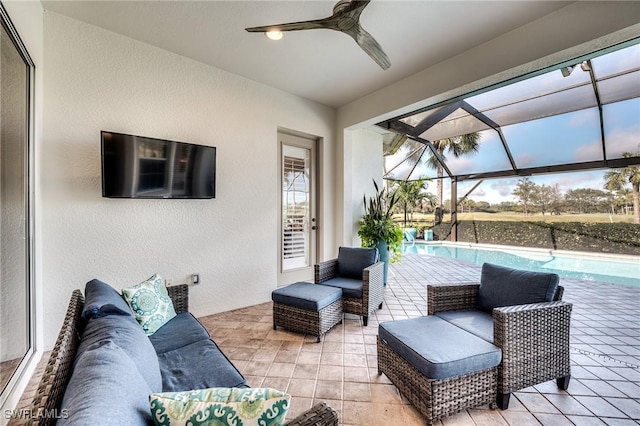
350 287
476 322
352 260
502 286
437 349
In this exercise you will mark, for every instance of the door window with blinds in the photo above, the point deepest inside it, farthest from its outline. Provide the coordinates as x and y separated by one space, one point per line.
298 221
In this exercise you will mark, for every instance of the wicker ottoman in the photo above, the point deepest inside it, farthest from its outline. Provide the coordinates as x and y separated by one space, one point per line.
307 308
440 368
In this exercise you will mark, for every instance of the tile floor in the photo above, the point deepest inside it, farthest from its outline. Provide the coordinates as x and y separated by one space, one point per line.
342 369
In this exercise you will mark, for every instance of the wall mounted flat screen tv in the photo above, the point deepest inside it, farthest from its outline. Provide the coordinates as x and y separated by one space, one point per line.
141 167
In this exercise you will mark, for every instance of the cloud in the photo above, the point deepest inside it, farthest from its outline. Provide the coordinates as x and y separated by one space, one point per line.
582 117
526 160
503 187
620 141
589 152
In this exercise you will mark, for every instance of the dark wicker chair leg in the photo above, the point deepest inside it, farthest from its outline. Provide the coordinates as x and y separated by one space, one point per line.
503 400
365 320
563 382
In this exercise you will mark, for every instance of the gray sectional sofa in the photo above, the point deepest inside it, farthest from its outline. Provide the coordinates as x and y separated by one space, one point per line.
104 367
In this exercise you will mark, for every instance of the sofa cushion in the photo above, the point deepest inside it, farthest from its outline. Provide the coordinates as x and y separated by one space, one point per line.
312 297
182 330
438 349
221 406
352 260
105 389
126 333
475 322
502 286
100 299
150 303
199 365
350 287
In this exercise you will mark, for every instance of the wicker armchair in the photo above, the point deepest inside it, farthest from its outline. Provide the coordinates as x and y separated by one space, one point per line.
329 273
534 338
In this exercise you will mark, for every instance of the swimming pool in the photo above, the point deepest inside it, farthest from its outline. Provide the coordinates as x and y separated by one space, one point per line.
618 269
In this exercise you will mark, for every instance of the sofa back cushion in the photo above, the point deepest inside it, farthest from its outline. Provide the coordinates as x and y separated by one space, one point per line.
101 300
352 260
105 389
125 333
502 286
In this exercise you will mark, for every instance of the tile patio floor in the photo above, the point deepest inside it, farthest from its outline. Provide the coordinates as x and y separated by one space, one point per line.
342 370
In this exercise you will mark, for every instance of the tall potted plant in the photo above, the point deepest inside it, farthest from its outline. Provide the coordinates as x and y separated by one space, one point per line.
377 228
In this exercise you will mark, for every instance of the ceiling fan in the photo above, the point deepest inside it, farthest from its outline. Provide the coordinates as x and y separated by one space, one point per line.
346 19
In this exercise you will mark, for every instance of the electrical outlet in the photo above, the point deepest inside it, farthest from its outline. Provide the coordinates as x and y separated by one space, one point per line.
195 279
168 282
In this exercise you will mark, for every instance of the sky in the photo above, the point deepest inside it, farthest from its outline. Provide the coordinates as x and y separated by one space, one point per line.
532 115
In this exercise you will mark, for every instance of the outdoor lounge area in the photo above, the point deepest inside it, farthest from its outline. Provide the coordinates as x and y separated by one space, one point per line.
342 369
182 141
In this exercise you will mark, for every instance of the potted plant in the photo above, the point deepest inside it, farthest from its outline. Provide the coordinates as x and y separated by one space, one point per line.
377 228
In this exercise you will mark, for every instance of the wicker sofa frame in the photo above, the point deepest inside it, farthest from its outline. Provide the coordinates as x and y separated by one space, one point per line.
534 338
372 288
436 399
46 403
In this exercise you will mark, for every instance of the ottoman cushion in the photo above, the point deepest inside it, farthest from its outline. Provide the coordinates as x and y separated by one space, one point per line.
438 349
312 297
475 322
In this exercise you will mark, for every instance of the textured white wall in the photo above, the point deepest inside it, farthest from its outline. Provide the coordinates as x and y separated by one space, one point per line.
366 164
97 80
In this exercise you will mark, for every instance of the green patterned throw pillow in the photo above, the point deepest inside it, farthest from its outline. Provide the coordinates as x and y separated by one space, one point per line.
219 407
150 303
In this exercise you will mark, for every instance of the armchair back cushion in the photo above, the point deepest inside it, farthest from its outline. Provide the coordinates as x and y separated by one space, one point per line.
502 286
352 260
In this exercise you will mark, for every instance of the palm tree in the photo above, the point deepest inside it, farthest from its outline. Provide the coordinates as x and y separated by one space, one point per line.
616 179
410 193
457 146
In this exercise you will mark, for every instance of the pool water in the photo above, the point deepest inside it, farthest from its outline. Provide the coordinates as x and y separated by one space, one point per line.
623 270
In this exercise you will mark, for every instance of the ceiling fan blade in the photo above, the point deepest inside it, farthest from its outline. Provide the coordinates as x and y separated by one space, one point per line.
370 46
294 26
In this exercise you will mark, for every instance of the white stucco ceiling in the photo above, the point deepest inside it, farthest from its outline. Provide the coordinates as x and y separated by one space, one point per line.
320 65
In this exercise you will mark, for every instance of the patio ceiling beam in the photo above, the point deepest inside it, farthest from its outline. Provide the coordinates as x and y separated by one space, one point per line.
435 153
588 66
433 119
570 167
495 126
402 127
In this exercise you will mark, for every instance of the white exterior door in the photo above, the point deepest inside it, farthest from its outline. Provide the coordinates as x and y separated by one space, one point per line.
298 222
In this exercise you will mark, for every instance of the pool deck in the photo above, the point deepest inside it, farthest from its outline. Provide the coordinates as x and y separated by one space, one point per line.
342 370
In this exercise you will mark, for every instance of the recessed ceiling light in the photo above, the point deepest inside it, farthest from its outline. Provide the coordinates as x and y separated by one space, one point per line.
274 34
